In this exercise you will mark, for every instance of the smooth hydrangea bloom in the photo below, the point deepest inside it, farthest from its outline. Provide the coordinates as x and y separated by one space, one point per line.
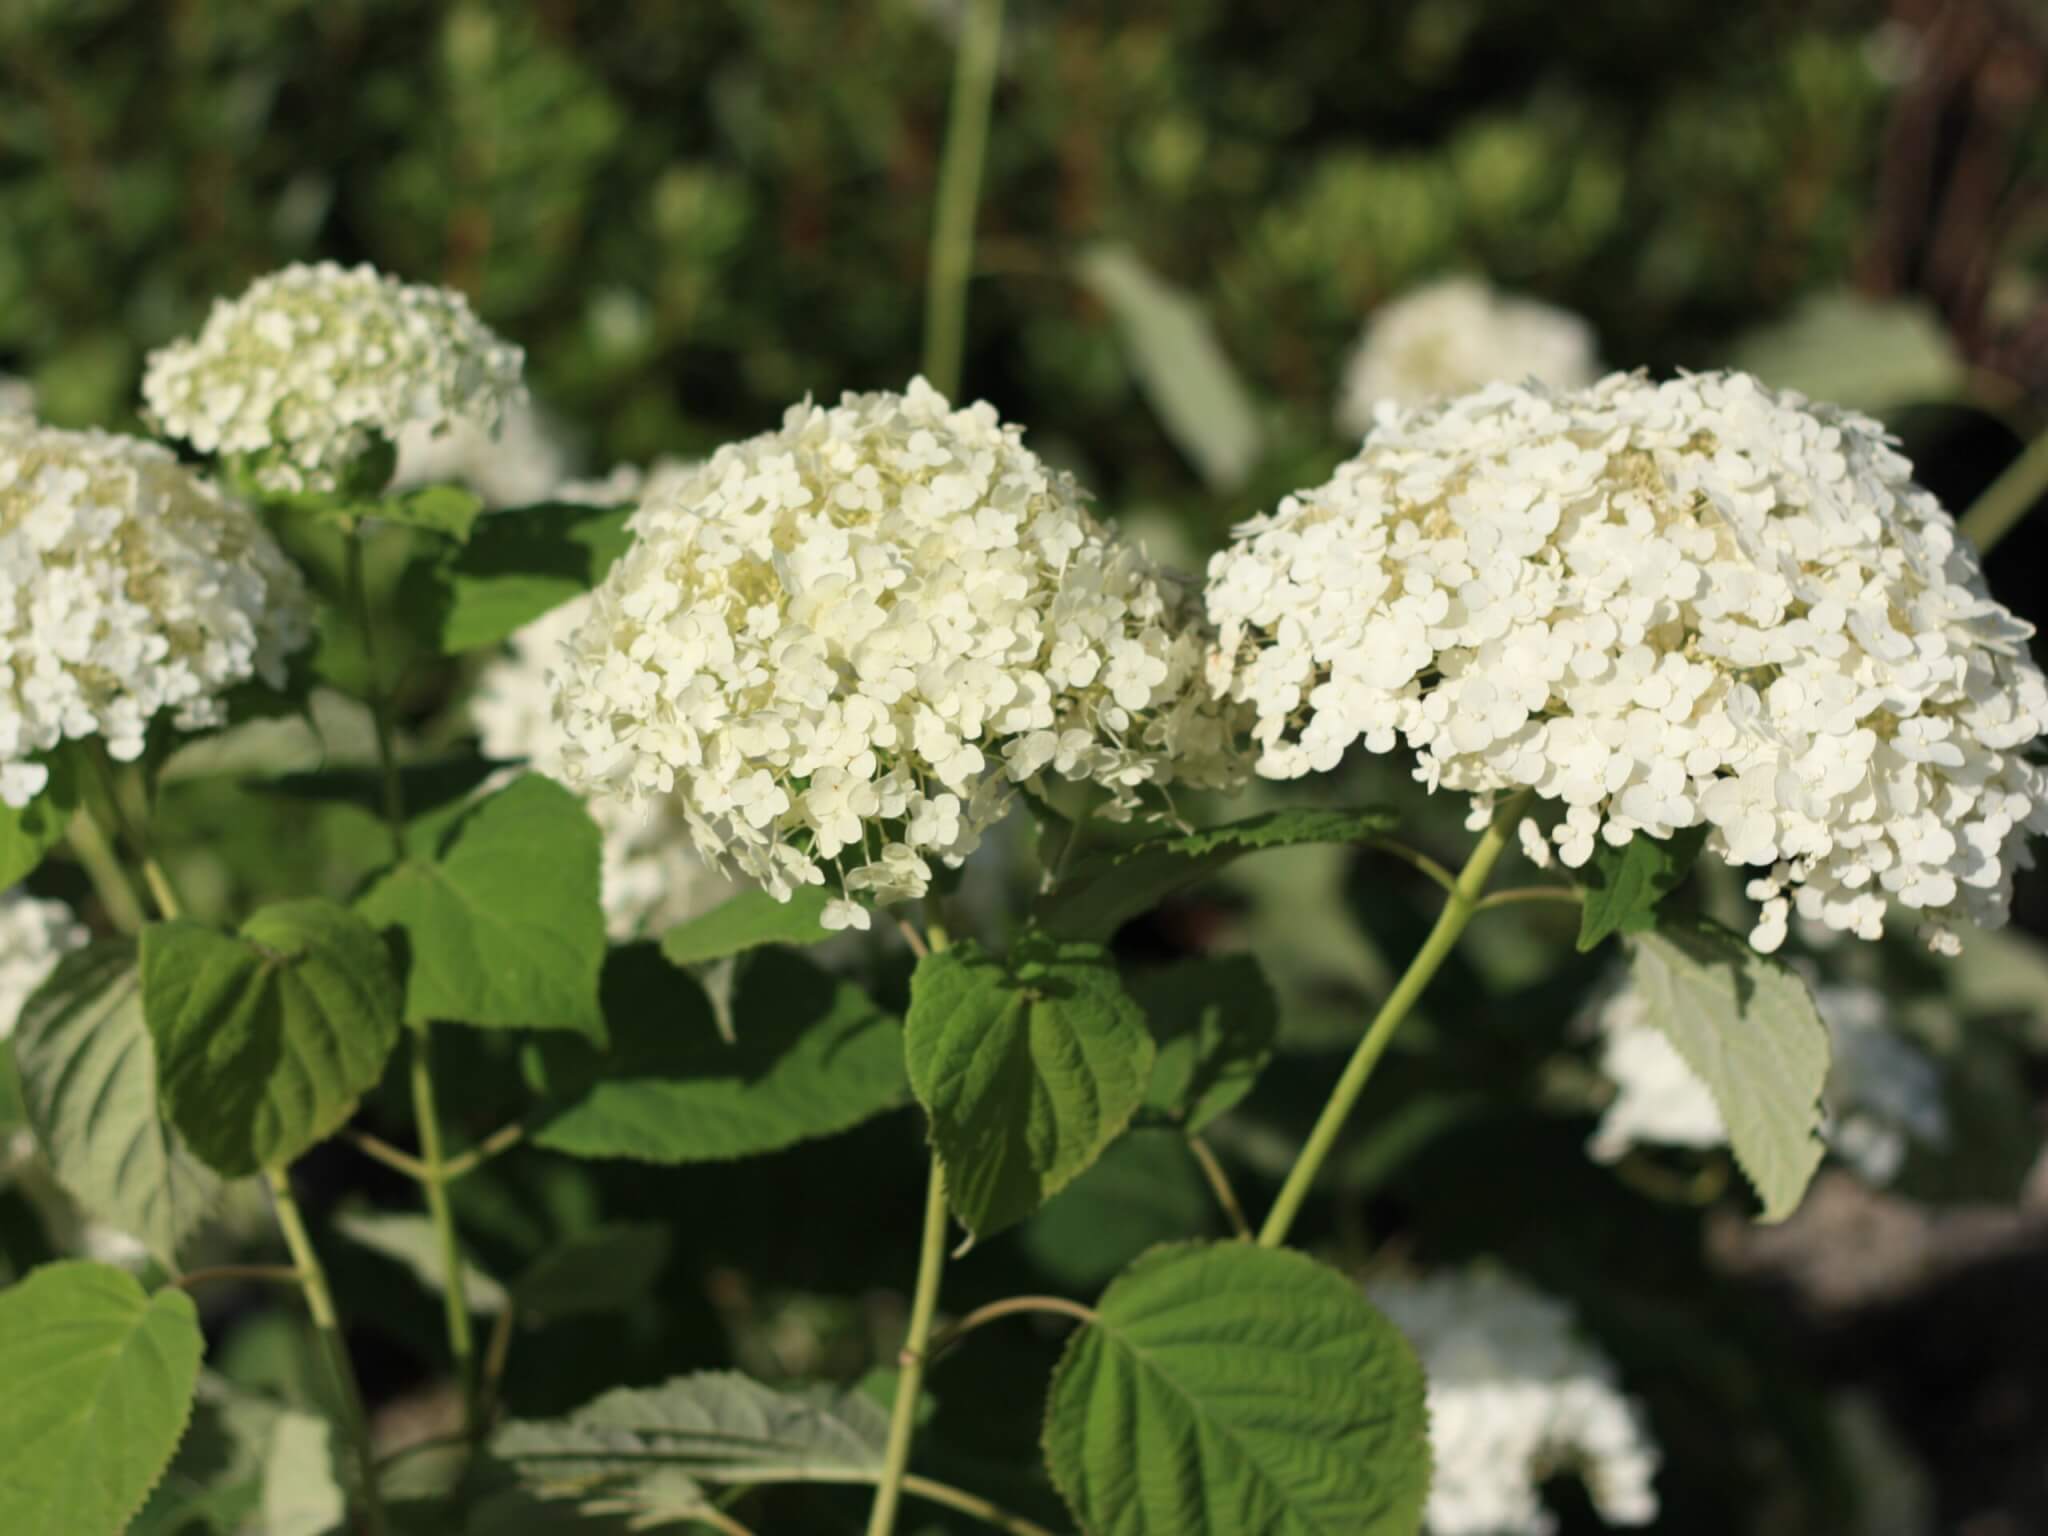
1515 1397
1883 1093
129 588
308 369
1659 605
838 645
1457 334
34 936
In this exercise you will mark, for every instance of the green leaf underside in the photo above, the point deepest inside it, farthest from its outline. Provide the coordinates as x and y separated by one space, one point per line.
1868 354
265 1039
503 926
815 1056
99 1381
1104 890
1624 885
1226 1388
606 1269
1028 1070
1214 1022
748 921
88 1069
1747 1026
410 1240
29 833
648 1449
301 1487
1180 364
520 563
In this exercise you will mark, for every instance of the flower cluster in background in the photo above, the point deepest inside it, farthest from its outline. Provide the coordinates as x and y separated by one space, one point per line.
521 462
130 589
34 935
1454 335
1516 1396
1661 605
304 373
839 644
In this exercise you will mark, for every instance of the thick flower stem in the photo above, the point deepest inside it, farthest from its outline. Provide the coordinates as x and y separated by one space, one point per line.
376 696
102 865
2008 498
434 1180
1458 910
959 195
320 1303
910 1378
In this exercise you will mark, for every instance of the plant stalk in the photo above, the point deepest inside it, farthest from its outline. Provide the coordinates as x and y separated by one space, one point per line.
434 1180
376 697
1458 910
320 1303
95 854
959 193
2008 498
924 1305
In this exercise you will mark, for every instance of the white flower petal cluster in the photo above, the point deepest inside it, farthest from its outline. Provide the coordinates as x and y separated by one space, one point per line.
1883 1096
1515 1397
34 935
17 396
129 588
653 877
838 645
308 368
1661 605
1457 334
521 462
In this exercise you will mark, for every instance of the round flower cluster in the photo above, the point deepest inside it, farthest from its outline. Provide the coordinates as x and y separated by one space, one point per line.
313 364
653 875
1661 605
1883 1095
838 645
34 936
1454 335
129 587
1515 1397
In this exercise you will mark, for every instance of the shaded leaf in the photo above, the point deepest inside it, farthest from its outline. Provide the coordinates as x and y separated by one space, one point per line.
409 1240
606 1269
748 921
517 565
1624 885
1214 1022
1146 1190
434 793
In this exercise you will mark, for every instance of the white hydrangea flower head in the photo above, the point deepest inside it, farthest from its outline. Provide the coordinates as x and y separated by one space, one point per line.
130 589
17 396
312 365
521 462
1883 1094
34 935
838 645
1457 334
1516 1396
1660 605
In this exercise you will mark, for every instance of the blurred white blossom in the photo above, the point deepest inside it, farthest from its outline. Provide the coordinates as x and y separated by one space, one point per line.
1454 335
1883 1093
17 396
129 588
306 370
1516 1396
521 463
34 935
1662 605
837 646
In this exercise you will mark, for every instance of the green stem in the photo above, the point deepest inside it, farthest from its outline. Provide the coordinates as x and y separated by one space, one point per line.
320 1303
2008 498
924 1304
434 1180
102 797
375 696
959 194
989 1514
1458 909
95 852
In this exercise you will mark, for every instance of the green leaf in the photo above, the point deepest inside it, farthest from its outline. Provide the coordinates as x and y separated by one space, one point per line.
606 1269
1214 1022
89 1085
1871 354
410 1240
815 1056
1028 1069
517 565
502 925
29 833
265 1039
434 792
1624 885
647 1450
1102 891
747 921
100 1377
1180 364
1747 1026
1146 1190
1226 1388
449 510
